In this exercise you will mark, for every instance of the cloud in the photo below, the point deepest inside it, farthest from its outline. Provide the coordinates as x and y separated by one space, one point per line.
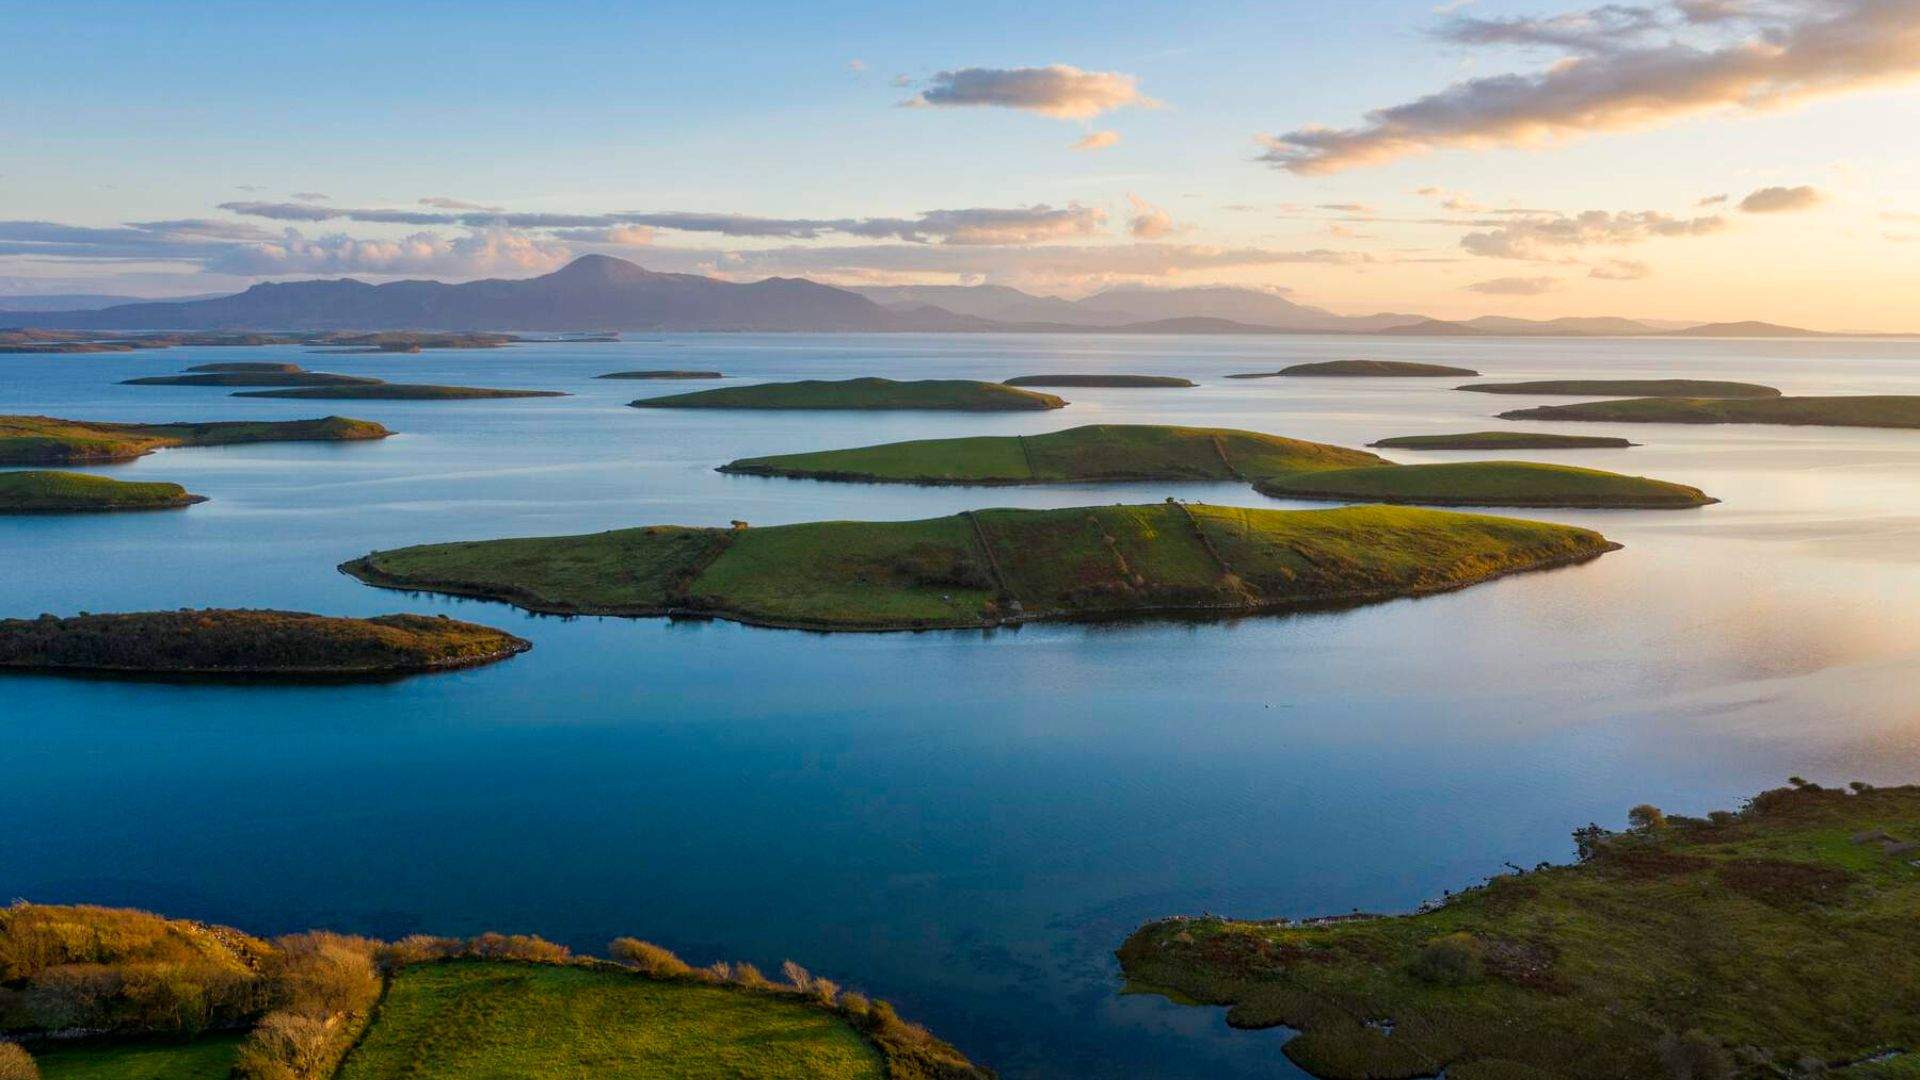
1096 140
1532 238
614 235
1350 207
496 251
1028 225
444 203
1627 70
1515 286
309 196
1714 200
1147 221
1620 270
1056 90
1781 200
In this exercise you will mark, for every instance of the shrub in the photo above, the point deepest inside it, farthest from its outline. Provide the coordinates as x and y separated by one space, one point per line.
647 957
1647 818
1694 1056
1452 960
718 971
749 976
287 1046
854 1005
417 949
321 974
823 990
796 976
518 947
16 1063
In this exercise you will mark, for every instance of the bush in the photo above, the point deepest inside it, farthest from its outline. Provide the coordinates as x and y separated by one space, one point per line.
518 947
797 977
287 1046
321 974
417 949
749 976
16 1063
644 956
1647 818
1694 1056
1453 960
718 971
824 991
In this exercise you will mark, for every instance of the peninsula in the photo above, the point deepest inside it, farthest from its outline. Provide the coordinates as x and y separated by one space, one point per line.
1502 440
1755 943
962 395
1486 483
992 567
1373 369
47 440
1628 388
1865 410
42 492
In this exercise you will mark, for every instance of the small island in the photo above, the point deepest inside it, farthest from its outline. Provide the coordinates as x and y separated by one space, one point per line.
406 341
245 367
993 567
962 395
664 374
1865 410
1502 440
255 377
1090 454
1366 369
1138 382
375 390
1486 483
318 1004
1628 388
250 643
1699 947
47 440
42 492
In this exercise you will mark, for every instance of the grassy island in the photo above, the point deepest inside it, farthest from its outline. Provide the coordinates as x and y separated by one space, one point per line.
663 374
1628 388
1377 369
1096 452
183 1000
296 377
47 440
963 395
375 390
1134 381
1502 440
1776 941
989 567
244 367
1865 410
41 492
1486 483
249 643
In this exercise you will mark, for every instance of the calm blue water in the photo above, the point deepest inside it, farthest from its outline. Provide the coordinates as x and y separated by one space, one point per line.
965 823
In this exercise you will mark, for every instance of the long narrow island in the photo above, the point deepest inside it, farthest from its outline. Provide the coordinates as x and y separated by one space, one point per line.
1863 410
43 491
961 395
48 440
1628 388
993 567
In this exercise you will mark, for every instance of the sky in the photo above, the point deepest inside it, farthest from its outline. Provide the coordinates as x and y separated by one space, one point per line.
1678 159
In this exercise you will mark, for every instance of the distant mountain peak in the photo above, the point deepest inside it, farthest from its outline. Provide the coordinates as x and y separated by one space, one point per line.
600 268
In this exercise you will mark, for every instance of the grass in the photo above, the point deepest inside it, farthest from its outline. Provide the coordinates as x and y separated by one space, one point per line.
661 374
1136 381
1628 388
1873 411
255 378
992 566
1753 941
386 391
248 642
42 492
1364 368
1501 440
46 440
1486 483
943 394
207 1058
477 1020
1097 452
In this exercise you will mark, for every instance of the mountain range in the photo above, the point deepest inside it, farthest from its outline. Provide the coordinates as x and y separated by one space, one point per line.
598 292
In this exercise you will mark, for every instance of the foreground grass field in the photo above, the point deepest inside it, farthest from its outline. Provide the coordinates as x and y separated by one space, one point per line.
1876 411
963 395
47 440
1501 440
209 1057
989 567
1628 388
1777 941
43 492
476 1020
1486 483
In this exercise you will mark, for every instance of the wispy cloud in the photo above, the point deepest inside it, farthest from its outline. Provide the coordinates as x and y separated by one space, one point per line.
1535 237
309 196
1097 140
1620 270
444 203
1781 200
1514 286
1056 90
1147 221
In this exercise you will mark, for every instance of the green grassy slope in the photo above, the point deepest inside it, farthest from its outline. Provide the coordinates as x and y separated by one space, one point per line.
1628 388
385 391
1486 483
44 492
946 394
473 1020
1501 440
1877 411
1751 942
47 440
207 1058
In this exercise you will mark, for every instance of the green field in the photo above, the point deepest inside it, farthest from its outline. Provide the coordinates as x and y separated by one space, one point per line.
1501 440
1097 452
1744 944
386 391
43 492
1134 381
962 395
993 566
206 1058
474 1020
1486 483
1873 411
1628 388
1389 369
47 440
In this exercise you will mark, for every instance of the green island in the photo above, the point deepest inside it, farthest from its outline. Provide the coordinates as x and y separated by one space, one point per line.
1486 483
245 367
166 998
45 492
375 390
1864 410
406 341
255 377
47 440
93 341
1133 381
1628 388
1502 440
250 644
1779 940
1093 453
964 395
1391 369
664 373
992 567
